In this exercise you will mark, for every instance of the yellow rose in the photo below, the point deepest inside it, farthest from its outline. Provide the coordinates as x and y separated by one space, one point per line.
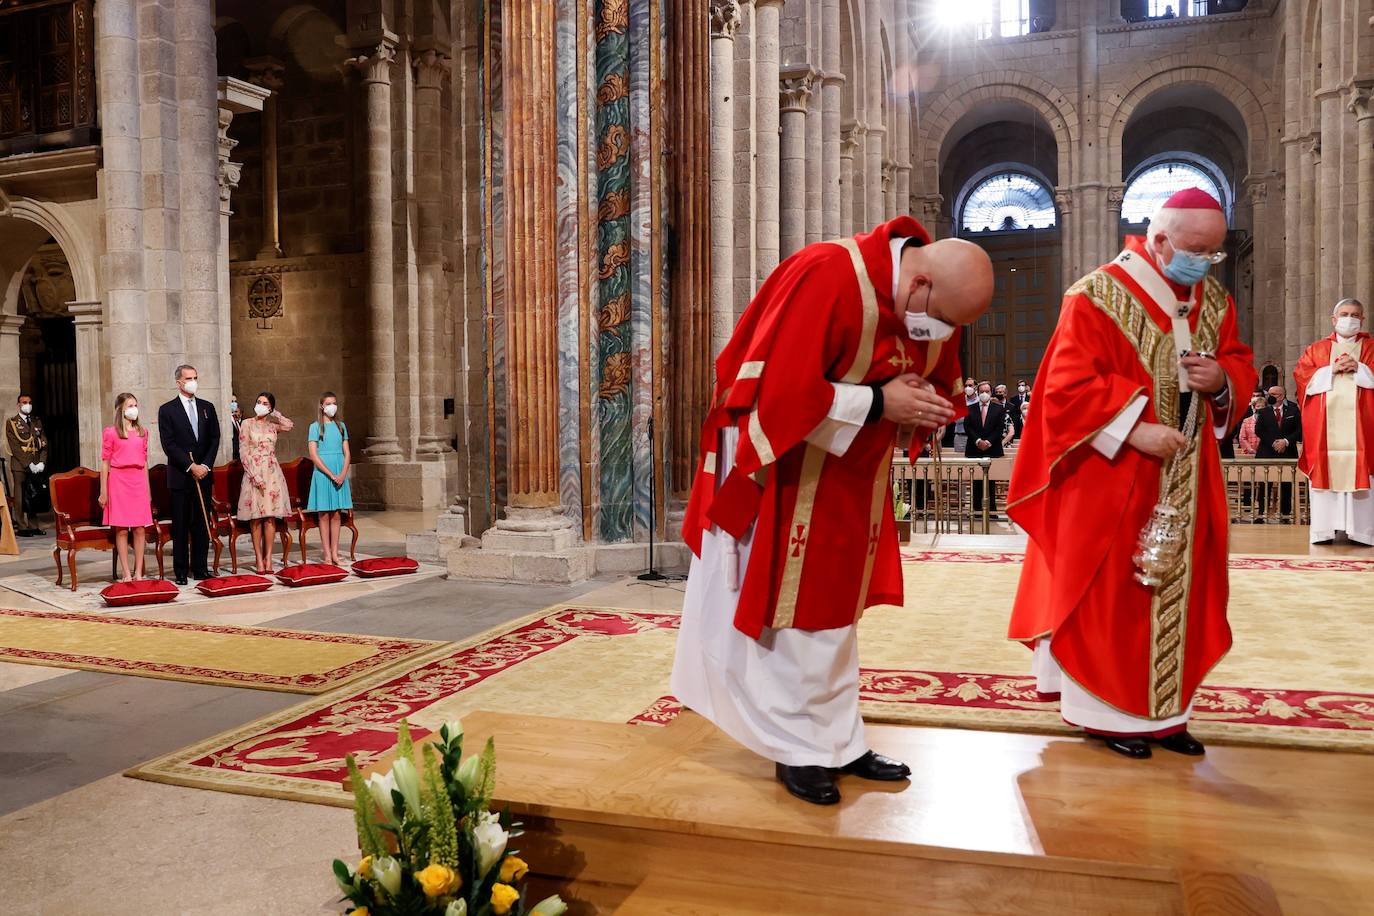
513 869
437 880
365 869
503 897
360 911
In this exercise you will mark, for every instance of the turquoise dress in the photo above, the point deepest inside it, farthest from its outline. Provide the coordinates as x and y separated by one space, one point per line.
324 496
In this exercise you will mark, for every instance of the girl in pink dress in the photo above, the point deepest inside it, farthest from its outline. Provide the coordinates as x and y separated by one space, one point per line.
263 498
124 491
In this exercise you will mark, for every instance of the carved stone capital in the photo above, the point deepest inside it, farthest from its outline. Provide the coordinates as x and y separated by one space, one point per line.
267 72
228 179
795 89
1063 199
851 135
375 65
431 69
1257 190
1359 95
1312 143
725 18
931 205
1116 194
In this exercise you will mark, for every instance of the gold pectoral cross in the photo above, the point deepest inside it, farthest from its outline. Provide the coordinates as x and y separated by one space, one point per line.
900 359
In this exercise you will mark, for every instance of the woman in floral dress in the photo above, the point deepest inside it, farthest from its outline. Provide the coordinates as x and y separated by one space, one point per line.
263 498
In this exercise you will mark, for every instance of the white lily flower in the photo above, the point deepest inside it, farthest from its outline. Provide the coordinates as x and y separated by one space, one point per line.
453 729
387 872
549 906
408 782
380 785
468 773
491 839
457 908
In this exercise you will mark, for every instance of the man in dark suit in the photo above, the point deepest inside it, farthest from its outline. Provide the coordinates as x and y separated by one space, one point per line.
984 424
189 430
1279 429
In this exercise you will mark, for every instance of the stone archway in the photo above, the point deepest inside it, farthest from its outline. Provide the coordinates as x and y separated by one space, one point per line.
26 226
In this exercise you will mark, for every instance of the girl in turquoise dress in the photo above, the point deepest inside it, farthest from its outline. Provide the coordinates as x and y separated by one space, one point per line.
330 494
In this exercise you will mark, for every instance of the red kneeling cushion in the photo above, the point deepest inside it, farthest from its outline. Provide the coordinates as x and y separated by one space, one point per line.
311 574
139 591
221 586
385 566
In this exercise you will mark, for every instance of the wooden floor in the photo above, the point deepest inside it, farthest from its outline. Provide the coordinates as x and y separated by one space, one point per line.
1246 540
999 823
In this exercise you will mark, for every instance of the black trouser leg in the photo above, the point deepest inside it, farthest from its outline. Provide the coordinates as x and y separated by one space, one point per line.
181 565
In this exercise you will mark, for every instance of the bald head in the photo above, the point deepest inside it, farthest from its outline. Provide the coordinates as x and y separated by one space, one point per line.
951 279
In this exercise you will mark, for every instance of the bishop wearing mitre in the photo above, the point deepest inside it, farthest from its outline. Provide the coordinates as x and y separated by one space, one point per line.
1336 390
790 517
1137 385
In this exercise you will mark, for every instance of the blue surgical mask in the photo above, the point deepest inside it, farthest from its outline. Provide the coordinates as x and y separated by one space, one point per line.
1187 269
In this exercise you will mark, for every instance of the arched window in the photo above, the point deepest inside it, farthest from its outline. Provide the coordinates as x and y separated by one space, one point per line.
1005 202
1158 179
995 18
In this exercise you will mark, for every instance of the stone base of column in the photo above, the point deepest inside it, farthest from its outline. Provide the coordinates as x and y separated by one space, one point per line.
433 448
412 485
451 532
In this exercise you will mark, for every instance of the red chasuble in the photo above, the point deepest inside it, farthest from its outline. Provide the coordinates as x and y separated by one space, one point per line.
1141 650
1314 459
825 545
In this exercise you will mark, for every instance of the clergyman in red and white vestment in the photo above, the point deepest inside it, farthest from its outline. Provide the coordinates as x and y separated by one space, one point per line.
790 517
1139 342
1335 379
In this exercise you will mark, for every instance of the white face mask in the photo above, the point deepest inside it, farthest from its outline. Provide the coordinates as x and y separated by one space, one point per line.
261 410
331 409
920 326
968 391
131 414
984 397
190 387
1348 325
26 409
1021 389
233 406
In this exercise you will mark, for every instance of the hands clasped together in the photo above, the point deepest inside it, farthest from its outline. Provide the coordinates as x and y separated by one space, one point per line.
909 400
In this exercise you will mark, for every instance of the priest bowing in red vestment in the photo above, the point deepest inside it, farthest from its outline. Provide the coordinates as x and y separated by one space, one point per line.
1138 383
790 518
1336 390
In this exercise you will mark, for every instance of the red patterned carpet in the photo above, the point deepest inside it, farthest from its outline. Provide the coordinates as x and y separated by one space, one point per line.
569 655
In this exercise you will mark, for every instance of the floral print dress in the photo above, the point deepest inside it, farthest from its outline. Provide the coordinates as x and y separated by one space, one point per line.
258 452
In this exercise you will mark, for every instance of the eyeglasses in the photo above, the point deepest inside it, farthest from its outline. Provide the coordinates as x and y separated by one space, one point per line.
1211 257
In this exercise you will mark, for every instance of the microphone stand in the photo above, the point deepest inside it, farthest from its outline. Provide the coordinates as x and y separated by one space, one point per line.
652 575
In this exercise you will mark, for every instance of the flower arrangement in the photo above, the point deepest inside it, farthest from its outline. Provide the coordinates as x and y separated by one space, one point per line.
429 843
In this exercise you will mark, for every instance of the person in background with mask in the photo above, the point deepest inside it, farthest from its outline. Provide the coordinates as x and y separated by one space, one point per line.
985 426
1335 386
188 428
1246 438
1013 416
28 446
124 490
330 493
236 422
1279 428
1142 374
264 497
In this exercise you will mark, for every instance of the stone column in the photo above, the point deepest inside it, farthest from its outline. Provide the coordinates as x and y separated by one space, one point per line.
1360 105
9 358
746 164
267 72
815 161
725 22
874 203
374 65
889 189
832 205
850 137
690 316
431 69
235 97
766 118
1307 259
1292 245
90 412
792 189
1330 286
534 519
1111 232
930 216
1068 261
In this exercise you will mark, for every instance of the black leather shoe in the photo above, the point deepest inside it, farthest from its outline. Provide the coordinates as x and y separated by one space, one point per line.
875 766
1183 743
810 784
201 576
180 580
1135 748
